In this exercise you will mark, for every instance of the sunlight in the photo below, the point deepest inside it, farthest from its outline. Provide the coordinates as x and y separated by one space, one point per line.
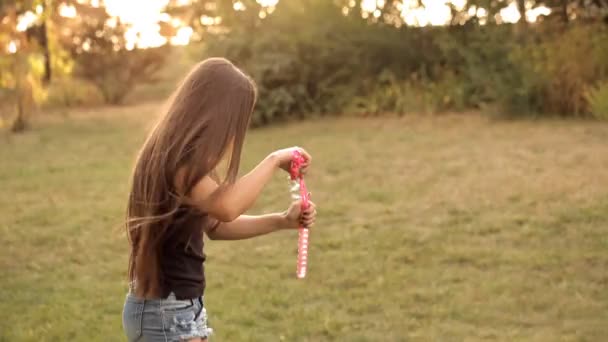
510 14
26 20
268 3
67 11
183 36
368 5
533 14
238 6
437 12
12 47
434 12
143 17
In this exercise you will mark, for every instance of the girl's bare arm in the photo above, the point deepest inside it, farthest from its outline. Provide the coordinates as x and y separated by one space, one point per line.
228 203
245 226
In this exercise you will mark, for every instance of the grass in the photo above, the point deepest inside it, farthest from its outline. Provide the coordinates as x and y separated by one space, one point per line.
431 229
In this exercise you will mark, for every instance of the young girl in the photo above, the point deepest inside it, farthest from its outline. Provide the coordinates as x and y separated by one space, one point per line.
177 195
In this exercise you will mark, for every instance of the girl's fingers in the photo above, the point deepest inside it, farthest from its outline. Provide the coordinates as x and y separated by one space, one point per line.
309 213
306 155
308 221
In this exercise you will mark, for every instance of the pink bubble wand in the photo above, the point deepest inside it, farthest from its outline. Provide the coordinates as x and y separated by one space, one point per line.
299 191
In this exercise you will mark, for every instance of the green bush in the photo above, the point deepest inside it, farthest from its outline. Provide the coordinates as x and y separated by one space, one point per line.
388 94
70 92
308 58
597 98
553 75
324 68
107 60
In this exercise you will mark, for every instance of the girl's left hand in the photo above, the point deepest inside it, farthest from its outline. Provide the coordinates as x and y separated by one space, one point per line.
295 217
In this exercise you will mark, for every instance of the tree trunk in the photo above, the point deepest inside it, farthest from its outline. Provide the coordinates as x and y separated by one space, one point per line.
521 7
564 11
46 52
25 99
20 123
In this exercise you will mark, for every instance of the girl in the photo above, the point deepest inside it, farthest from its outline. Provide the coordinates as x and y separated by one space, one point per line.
177 195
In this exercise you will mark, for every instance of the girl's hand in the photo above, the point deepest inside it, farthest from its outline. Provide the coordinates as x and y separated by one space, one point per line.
284 157
295 217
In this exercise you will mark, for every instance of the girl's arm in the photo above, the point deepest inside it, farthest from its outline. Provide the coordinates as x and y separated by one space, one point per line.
245 226
228 203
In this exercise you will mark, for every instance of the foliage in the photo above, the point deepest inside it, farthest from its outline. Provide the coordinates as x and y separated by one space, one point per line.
17 80
102 54
554 74
388 94
321 68
308 57
72 92
318 57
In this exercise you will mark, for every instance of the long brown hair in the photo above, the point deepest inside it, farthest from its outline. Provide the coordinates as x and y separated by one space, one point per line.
206 120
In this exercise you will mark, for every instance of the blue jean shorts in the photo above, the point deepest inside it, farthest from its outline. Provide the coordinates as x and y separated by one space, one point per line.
164 320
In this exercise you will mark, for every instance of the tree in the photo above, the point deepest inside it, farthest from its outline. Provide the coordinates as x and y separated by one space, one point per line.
104 56
16 83
521 7
568 10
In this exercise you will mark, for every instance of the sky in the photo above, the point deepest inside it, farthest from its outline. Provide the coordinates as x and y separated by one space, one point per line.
144 15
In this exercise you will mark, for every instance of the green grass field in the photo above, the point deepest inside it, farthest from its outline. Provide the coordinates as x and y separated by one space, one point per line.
453 228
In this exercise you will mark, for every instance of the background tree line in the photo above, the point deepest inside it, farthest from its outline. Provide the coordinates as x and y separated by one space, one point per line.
320 57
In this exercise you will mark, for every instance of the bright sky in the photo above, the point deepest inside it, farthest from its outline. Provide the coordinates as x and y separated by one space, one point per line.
437 12
144 15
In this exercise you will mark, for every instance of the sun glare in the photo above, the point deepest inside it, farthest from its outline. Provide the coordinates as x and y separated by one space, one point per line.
26 20
183 36
67 11
143 17
12 47
437 12
268 3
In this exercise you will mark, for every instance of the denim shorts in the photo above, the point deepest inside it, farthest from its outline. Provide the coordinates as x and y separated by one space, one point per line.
164 320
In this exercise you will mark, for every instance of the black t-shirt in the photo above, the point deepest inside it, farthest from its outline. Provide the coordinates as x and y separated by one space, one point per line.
182 260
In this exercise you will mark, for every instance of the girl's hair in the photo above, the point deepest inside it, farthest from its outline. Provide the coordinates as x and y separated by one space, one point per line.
206 120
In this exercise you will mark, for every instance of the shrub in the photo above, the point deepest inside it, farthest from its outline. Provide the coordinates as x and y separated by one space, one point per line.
71 92
103 56
307 57
324 68
554 75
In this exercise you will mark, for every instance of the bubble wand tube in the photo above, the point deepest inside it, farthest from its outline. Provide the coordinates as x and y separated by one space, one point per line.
299 191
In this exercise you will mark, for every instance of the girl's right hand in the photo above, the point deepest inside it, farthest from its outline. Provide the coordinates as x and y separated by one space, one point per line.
284 157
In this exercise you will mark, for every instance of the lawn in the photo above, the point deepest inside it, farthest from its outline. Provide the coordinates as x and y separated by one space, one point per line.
453 228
